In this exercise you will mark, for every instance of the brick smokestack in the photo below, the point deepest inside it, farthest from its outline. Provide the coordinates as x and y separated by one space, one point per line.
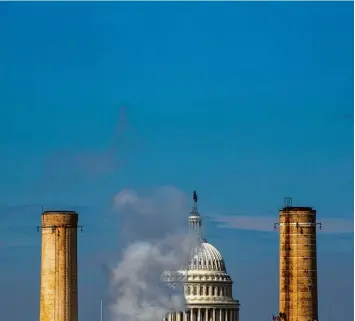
59 284
298 264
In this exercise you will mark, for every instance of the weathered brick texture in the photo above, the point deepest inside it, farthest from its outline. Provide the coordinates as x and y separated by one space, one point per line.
298 264
59 286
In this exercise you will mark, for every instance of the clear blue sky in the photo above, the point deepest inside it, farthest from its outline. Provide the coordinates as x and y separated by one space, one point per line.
245 102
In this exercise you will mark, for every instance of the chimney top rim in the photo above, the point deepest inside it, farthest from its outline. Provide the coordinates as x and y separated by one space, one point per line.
54 212
298 208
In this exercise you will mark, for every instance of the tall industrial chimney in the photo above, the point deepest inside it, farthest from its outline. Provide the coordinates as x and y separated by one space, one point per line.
298 264
59 285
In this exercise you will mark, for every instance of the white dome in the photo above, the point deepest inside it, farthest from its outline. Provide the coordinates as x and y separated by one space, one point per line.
206 257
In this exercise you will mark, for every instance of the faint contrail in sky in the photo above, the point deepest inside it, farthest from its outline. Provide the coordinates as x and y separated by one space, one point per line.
66 167
266 223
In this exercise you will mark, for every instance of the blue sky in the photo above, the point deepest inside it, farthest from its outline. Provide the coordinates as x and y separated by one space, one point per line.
245 102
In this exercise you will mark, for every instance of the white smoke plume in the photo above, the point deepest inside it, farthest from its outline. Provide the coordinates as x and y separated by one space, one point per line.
154 228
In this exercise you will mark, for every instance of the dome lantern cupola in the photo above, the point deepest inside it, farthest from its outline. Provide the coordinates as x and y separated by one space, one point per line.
195 222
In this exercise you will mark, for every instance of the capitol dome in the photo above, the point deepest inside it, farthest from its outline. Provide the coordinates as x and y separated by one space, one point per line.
207 285
206 257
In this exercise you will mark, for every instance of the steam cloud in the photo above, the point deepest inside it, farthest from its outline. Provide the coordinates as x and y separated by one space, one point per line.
154 229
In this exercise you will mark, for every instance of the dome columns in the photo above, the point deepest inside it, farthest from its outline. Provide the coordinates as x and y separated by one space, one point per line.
206 314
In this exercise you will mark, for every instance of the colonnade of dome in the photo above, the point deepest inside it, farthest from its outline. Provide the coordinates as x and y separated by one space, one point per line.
209 290
205 314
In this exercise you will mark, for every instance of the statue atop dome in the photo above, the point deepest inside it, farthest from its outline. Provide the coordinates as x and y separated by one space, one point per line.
195 196
194 211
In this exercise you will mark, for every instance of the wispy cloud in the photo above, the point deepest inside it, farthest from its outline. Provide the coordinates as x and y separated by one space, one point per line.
266 223
18 223
348 116
67 167
18 246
